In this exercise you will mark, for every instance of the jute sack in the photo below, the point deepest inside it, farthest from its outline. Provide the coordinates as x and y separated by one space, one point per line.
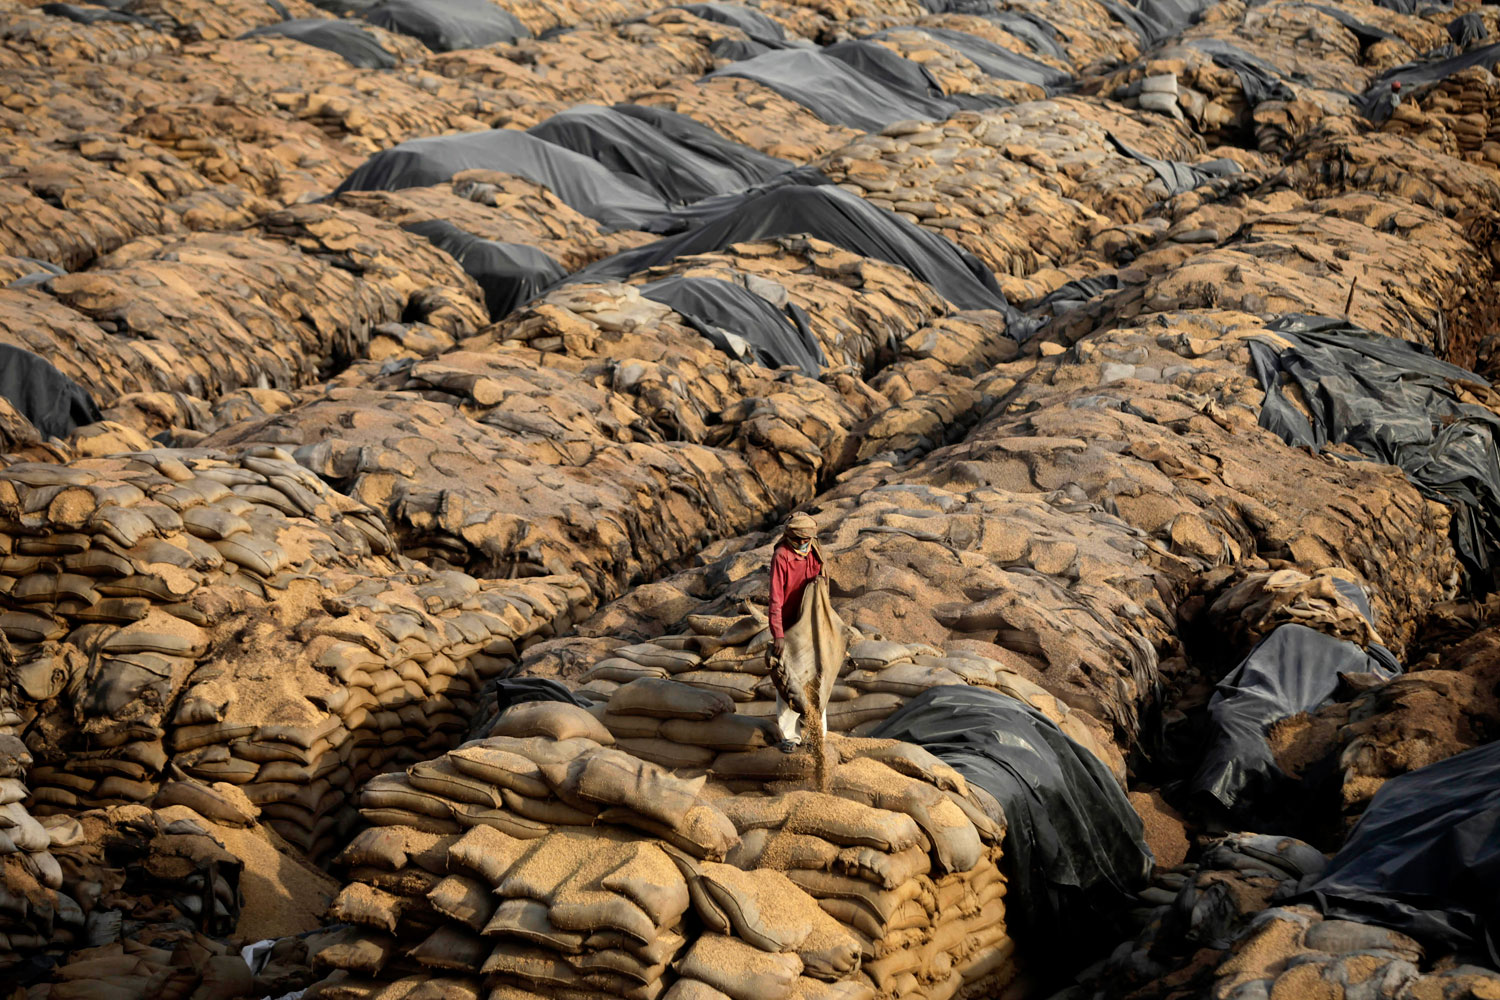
692 989
664 699
527 920
739 970
466 900
451 948
486 852
812 653
554 719
367 906
614 778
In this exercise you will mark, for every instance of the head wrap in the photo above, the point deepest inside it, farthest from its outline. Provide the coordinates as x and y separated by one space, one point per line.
801 525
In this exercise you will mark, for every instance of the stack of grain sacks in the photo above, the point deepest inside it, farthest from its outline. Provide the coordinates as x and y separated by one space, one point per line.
210 618
549 859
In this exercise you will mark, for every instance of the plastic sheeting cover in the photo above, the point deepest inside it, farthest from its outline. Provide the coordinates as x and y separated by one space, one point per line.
997 61
446 25
1468 30
751 164
1395 403
1376 103
741 323
757 26
696 214
54 403
1424 858
827 213
1073 843
627 144
617 201
1259 80
357 46
1294 669
1178 176
510 274
836 92
94 15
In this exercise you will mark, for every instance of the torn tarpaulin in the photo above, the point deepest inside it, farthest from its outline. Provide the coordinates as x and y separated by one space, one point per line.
1395 403
54 403
631 145
356 45
741 323
832 214
615 200
1178 176
1294 669
1424 858
1376 105
510 274
446 25
835 91
1073 845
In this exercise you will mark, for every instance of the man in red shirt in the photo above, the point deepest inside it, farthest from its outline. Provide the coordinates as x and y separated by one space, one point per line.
795 563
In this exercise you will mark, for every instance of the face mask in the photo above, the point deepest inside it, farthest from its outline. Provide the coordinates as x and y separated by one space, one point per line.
802 547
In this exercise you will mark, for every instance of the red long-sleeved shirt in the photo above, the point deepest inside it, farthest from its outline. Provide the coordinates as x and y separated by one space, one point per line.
790 575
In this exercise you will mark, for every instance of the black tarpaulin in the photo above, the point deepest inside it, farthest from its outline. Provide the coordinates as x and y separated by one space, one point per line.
626 144
615 200
1176 175
45 271
1154 21
1468 30
995 60
87 14
1395 403
1294 669
54 403
446 25
357 46
835 91
832 214
1031 29
757 26
889 69
751 164
741 323
1424 858
510 274
1259 80
696 214
1368 34
1376 104
1074 847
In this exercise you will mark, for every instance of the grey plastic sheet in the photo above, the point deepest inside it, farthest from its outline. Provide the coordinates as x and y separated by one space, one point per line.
357 46
617 201
510 274
1294 669
1424 858
1074 848
741 323
832 214
1395 403
54 403
446 25
1376 103
996 61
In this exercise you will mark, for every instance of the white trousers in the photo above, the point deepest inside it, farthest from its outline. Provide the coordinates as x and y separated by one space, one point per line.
789 720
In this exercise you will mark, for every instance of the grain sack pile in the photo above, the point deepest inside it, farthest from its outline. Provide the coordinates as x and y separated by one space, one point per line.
542 863
149 613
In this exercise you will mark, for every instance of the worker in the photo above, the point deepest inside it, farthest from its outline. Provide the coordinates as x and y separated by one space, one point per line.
795 563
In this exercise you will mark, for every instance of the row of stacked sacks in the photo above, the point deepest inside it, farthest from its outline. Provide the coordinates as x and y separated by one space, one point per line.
726 658
34 911
558 863
228 633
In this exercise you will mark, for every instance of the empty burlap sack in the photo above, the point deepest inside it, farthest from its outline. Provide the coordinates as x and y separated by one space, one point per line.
812 653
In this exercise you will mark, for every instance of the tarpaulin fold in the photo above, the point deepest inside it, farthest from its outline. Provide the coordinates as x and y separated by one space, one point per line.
1176 175
632 145
1074 847
741 323
1395 403
54 403
510 274
1424 858
357 46
446 25
832 214
617 201
1294 669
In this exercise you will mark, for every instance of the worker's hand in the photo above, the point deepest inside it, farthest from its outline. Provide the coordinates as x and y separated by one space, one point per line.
776 647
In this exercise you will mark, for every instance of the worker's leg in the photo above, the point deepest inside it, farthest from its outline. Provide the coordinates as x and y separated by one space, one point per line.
787 718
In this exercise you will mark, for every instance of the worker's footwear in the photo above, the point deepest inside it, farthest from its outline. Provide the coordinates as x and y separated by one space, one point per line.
790 746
